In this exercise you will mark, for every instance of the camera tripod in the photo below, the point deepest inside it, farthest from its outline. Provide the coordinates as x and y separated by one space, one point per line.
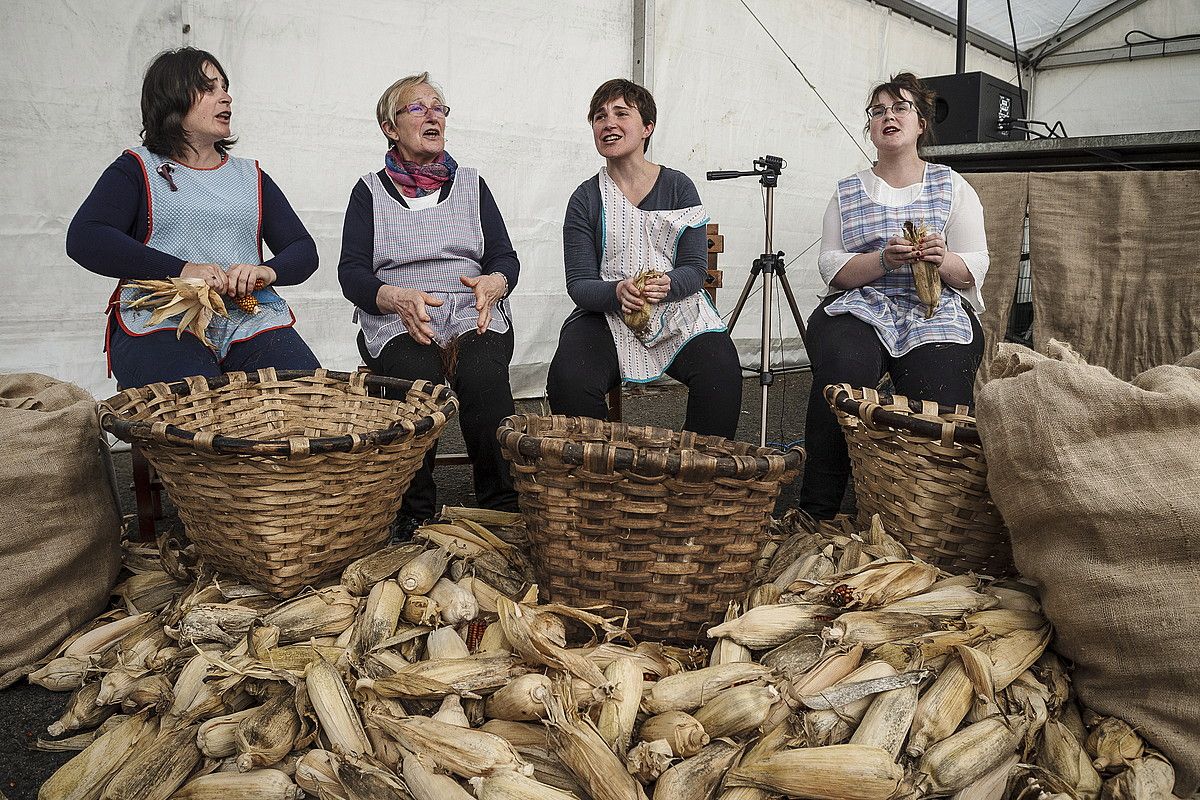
769 266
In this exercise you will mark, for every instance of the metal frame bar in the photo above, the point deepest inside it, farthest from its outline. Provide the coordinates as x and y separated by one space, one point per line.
1082 28
1133 52
945 24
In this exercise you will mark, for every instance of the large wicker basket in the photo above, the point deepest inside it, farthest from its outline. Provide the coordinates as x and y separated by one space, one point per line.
921 467
664 525
283 478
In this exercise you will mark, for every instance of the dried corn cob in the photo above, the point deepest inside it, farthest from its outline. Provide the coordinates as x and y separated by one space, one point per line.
586 756
81 711
467 752
888 720
515 786
1148 777
738 710
248 302
687 691
361 575
425 784
191 297
455 603
763 627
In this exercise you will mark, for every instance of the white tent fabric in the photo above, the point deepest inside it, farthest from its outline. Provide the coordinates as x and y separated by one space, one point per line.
1035 20
305 77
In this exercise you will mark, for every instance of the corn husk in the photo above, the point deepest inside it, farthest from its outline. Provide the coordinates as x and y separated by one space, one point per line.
881 583
521 699
830 726
361 575
646 761
191 299
324 612
639 321
380 616
340 723
455 604
81 711
687 691
727 651
316 774
86 774
699 775
873 628
836 772
216 737
532 743
1063 755
618 712
421 573
588 758
443 643
269 734
763 627
515 786
1114 743
261 784
425 784
438 678
62 674
925 273
468 753
941 709
451 712
738 710
888 720
156 769
683 733
1147 778
959 760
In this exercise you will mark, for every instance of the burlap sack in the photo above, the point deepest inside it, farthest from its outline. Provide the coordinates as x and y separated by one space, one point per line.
61 530
1099 482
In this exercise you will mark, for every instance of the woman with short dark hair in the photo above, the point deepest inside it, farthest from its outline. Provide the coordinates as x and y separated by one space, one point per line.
873 320
634 236
181 206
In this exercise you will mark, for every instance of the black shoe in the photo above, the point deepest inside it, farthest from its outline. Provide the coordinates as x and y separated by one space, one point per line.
403 527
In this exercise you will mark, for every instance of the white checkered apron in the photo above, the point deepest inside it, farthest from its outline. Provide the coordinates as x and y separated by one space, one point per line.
429 249
214 217
890 303
635 241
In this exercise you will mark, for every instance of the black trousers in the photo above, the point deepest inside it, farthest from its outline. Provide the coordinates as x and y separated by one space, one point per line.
844 349
585 368
485 398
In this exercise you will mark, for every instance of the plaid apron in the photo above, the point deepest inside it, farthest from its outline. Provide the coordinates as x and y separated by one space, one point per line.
890 304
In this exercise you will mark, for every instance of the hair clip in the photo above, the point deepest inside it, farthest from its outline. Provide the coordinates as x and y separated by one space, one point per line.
165 170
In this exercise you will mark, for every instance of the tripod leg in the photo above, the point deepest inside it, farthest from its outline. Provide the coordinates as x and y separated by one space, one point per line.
741 302
791 298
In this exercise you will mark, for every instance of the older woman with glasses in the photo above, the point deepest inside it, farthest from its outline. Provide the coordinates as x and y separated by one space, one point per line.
872 320
427 262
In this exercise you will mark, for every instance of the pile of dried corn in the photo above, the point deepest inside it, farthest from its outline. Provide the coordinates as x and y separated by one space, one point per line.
855 673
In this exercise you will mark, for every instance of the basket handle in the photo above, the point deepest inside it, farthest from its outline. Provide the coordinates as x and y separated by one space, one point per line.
875 413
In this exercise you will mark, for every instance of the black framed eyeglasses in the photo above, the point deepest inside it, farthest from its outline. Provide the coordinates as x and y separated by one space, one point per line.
898 108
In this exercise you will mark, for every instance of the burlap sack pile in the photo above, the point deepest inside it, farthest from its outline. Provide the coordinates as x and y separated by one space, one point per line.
60 535
1099 482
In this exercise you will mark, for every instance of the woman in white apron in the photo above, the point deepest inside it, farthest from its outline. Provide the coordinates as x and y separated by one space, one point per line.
634 217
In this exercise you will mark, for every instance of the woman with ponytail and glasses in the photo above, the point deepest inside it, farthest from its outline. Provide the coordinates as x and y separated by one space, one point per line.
871 320
181 206
427 262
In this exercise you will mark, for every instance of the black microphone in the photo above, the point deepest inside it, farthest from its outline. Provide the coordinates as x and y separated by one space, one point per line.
723 174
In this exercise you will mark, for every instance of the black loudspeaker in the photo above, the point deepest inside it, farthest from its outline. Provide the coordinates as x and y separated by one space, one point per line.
970 108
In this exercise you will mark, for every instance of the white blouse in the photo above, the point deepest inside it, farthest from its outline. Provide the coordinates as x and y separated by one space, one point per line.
964 231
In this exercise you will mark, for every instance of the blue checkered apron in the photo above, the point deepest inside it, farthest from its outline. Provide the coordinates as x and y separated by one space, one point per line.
890 304
214 217
635 241
429 249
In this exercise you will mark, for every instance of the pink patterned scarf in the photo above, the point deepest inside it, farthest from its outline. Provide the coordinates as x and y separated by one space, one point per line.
418 180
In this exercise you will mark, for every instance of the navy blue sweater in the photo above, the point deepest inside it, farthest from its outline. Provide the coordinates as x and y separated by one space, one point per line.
356 268
107 232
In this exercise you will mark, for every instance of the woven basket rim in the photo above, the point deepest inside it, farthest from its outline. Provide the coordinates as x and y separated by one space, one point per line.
767 460
174 436
842 397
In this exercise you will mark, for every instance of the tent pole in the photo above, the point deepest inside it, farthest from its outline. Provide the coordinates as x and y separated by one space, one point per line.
960 56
